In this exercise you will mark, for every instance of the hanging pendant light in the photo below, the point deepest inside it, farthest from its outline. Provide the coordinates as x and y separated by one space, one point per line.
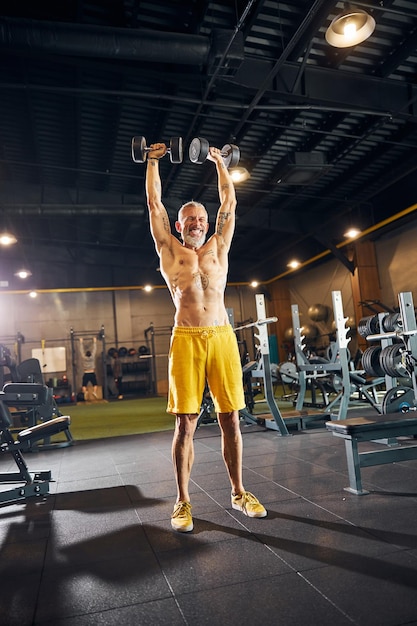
350 28
7 239
23 273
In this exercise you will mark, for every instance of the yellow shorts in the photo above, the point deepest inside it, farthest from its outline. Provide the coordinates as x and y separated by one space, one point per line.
197 355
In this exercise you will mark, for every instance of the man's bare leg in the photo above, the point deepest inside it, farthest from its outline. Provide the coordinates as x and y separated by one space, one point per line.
183 453
232 448
183 459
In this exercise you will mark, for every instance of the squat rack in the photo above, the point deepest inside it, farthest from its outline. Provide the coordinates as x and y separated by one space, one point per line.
150 333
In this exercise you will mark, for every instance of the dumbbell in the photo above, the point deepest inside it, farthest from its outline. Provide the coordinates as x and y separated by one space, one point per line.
140 149
199 149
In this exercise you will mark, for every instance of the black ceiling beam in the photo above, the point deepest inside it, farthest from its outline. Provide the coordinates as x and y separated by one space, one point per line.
331 88
320 87
327 244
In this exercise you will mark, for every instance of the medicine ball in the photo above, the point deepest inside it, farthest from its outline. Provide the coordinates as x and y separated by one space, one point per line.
318 312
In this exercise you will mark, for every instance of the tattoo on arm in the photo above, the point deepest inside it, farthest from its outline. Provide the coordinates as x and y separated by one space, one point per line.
223 217
165 221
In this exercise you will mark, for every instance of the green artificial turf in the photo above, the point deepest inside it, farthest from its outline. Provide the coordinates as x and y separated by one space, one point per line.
98 420
101 419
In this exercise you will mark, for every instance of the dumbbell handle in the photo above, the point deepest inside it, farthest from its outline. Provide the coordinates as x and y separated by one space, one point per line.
146 149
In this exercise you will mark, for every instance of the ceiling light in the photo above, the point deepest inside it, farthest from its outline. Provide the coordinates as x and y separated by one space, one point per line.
23 273
254 283
33 294
239 174
148 288
350 28
6 239
294 264
352 233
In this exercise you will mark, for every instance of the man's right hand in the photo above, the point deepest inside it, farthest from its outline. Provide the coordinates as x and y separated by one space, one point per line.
157 150
214 155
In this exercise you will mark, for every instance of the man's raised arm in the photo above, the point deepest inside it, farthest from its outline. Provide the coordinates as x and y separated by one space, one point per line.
225 222
158 216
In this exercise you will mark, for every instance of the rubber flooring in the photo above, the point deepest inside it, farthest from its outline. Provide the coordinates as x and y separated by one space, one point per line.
99 549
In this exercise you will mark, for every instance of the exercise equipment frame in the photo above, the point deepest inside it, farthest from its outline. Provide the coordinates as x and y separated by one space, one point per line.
33 483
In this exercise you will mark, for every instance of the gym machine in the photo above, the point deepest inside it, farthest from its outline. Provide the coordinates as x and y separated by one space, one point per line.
344 381
262 369
31 404
397 359
311 370
74 335
30 484
396 356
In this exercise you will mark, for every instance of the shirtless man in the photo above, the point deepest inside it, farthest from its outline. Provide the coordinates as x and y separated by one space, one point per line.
203 344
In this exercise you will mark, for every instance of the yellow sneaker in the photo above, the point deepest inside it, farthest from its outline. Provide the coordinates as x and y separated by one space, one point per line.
181 518
248 504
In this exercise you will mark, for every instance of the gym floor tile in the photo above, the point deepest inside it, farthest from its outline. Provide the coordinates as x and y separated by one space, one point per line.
289 470
18 599
209 565
377 591
208 528
83 547
161 612
76 588
100 549
286 599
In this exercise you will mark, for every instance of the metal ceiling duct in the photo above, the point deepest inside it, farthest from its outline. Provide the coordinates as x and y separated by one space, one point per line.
101 42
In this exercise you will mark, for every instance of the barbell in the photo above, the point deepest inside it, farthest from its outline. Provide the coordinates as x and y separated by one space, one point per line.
199 149
140 149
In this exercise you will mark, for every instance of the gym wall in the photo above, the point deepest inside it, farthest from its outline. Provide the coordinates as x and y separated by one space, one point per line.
125 314
48 319
396 256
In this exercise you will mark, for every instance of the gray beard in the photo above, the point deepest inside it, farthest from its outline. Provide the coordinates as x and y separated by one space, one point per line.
194 243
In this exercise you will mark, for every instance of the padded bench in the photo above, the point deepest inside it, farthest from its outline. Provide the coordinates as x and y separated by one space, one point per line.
355 430
35 483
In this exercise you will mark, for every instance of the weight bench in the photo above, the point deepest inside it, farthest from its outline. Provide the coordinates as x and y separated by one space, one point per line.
356 430
34 402
34 483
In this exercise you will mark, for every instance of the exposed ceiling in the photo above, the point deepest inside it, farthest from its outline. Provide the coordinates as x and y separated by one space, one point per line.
79 79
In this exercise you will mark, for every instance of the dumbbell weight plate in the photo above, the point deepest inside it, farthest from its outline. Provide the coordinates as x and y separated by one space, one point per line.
397 400
139 149
231 155
198 150
176 151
